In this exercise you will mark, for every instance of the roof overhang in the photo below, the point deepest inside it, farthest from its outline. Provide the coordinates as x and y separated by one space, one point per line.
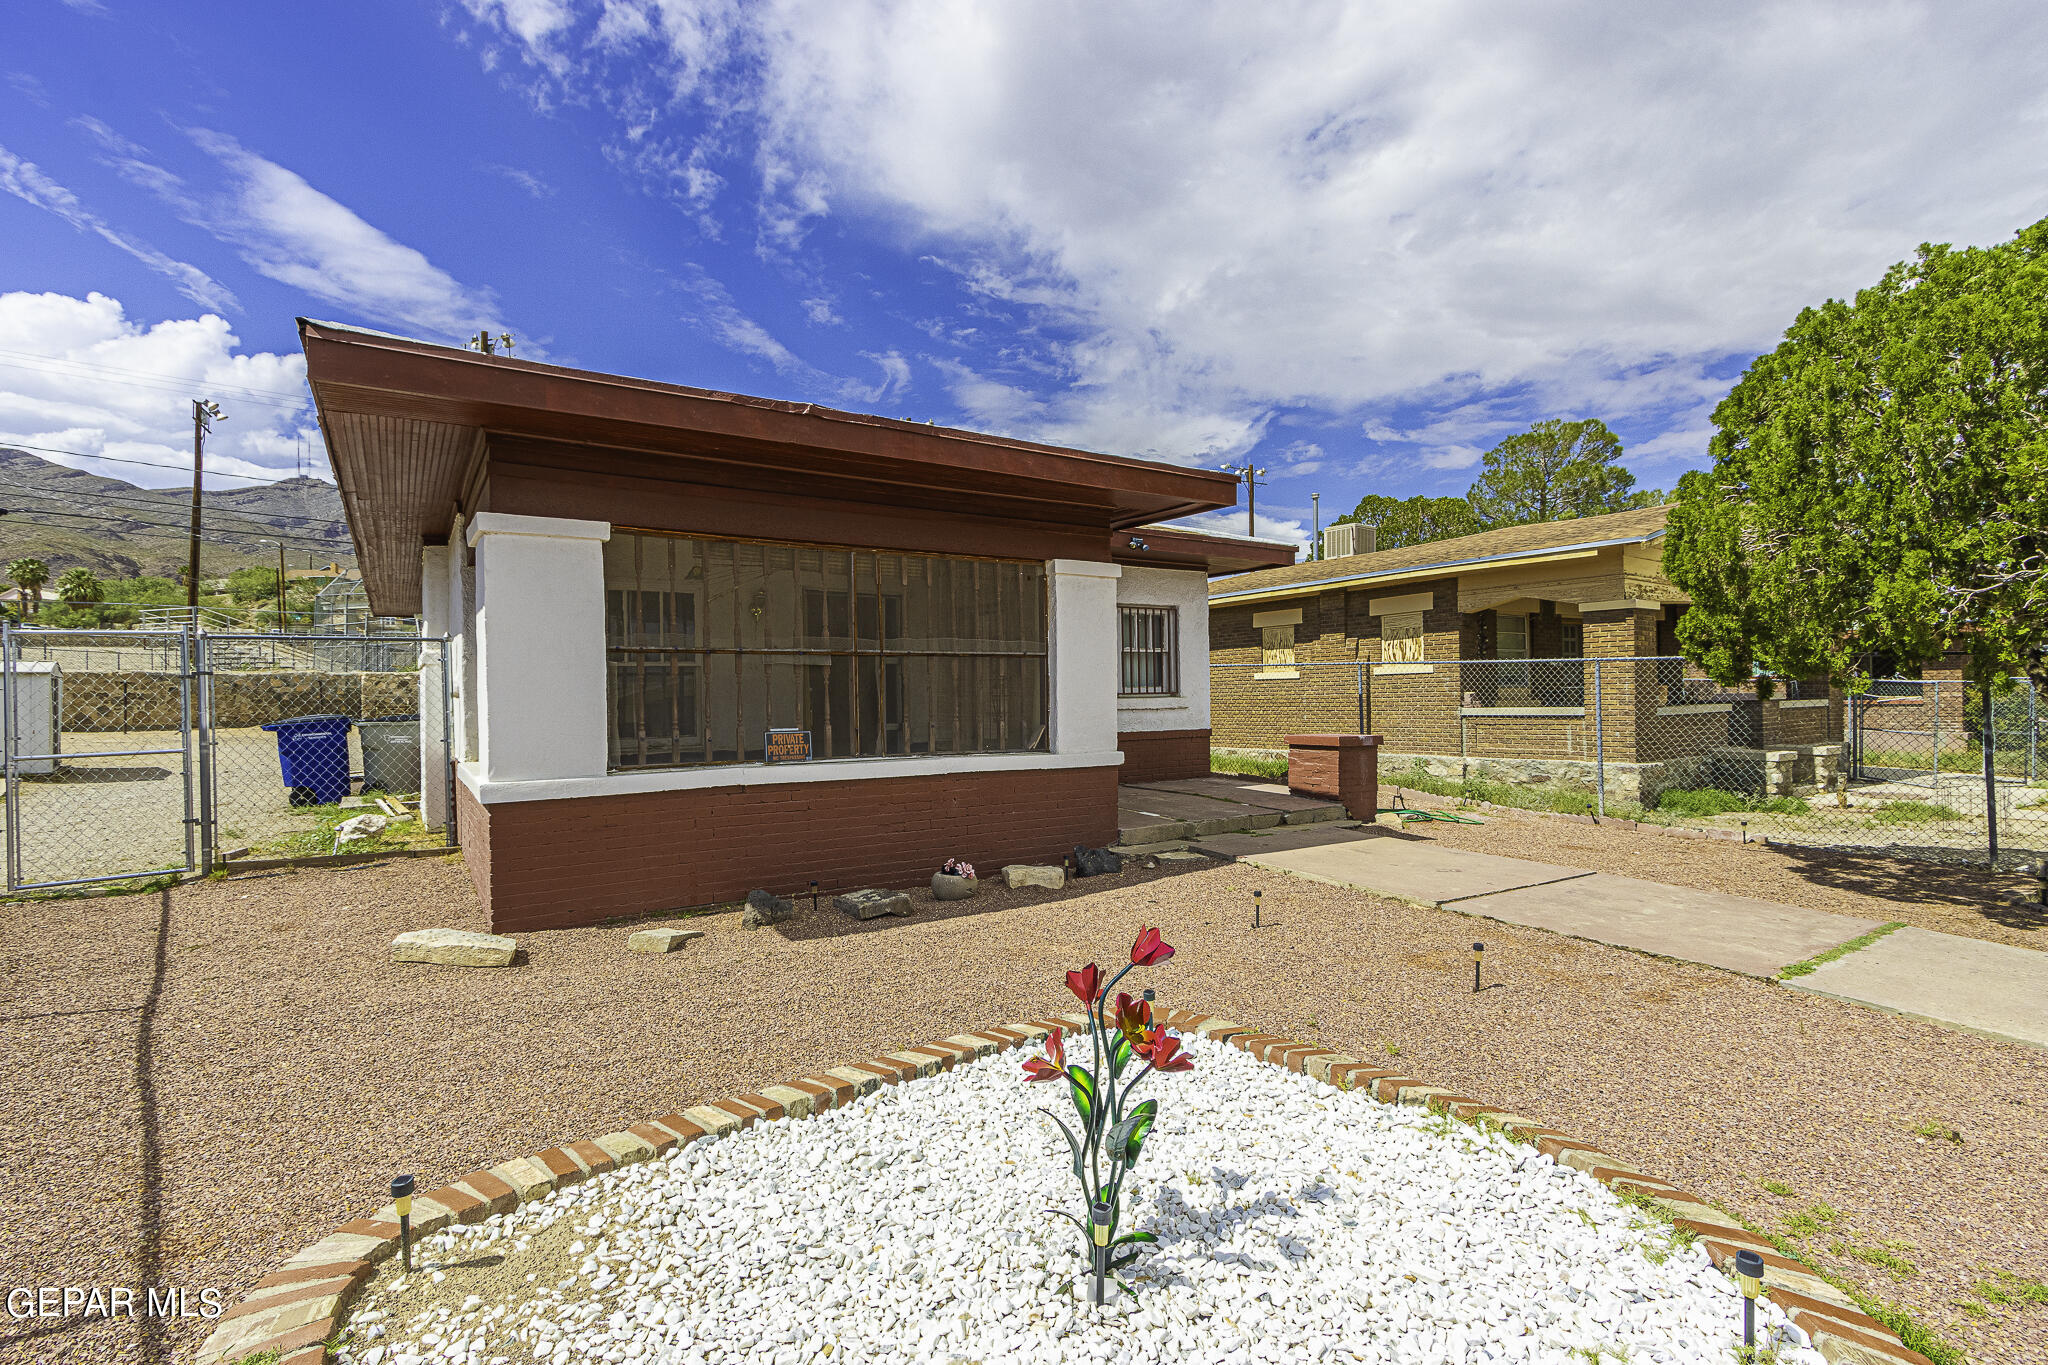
407 422
1168 547
1560 554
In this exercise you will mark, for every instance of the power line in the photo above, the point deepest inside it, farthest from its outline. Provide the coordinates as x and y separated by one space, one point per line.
156 505
219 534
146 464
240 393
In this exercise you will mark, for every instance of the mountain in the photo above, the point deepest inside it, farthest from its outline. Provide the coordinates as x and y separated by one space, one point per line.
69 518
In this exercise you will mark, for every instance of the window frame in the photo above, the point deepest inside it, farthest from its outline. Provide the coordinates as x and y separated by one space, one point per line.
1165 622
864 652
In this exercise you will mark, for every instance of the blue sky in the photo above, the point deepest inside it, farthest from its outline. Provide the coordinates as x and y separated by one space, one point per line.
1357 244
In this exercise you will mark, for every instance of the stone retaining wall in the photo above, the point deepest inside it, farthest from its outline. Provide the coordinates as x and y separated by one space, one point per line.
97 702
295 1310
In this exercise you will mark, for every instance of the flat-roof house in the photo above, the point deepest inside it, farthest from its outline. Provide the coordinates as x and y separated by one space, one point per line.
703 643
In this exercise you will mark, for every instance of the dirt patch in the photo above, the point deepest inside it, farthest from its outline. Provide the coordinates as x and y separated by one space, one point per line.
247 1088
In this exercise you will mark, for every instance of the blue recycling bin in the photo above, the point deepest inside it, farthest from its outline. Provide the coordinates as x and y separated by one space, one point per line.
312 753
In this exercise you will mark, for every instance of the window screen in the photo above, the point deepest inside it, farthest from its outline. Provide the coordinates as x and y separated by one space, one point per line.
711 643
1148 658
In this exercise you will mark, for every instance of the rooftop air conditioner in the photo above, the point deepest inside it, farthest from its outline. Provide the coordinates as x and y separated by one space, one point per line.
1347 538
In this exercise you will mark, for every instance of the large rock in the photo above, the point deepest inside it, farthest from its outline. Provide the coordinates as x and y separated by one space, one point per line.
660 940
454 948
1026 874
765 908
947 887
871 904
1095 862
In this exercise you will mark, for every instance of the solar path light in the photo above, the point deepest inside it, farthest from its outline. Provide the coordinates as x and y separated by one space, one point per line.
401 1198
1255 907
1098 1218
1478 951
1749 1273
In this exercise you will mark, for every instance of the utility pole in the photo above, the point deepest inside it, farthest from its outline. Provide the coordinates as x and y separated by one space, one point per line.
205 413
1251 478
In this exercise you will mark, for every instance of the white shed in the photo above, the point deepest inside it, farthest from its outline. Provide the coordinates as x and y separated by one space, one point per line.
39 703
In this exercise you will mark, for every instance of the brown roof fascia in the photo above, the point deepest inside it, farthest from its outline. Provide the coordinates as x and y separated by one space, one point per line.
1172 548
352 370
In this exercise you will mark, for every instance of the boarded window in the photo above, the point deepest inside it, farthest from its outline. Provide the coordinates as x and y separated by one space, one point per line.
709 644
1402 638
1276 646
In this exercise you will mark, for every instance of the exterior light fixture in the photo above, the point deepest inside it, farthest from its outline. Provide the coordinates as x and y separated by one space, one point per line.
401 1197
1255 907
1749 1274
1478 951
1745 829
1098 1218
1150 995
814 895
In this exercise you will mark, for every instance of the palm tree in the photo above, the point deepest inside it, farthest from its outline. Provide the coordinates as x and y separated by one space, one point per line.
79 586
29 575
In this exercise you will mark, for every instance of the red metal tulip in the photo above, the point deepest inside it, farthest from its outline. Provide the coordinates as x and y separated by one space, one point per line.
1086 984
1163 1051
1053 1065
1133 1018
1150 950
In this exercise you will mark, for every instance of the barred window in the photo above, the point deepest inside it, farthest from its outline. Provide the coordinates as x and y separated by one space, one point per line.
710 644
1149 653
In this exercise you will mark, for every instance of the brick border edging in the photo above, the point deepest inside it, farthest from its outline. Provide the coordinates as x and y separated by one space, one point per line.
296 1309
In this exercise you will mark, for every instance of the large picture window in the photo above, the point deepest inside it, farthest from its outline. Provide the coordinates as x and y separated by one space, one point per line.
712 643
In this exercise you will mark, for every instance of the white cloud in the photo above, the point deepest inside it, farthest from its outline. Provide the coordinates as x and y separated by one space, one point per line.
1238 208
100 391
302 238
1291 530
820 311
21 179
532 184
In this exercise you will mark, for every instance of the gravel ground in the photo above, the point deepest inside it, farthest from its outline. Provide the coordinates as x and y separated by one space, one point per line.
1288 1216
259 1068
1950 899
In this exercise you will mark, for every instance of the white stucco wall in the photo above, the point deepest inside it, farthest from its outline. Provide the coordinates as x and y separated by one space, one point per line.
434 684
1188 591
1084 641
539 647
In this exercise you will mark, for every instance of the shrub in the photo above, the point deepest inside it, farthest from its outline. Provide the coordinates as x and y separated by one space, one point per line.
1913 813
1248 765
1700 802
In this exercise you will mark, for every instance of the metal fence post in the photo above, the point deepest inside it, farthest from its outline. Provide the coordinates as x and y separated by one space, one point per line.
448 747
1361 698
202 740
1990 780
194 824
1599 749
8 646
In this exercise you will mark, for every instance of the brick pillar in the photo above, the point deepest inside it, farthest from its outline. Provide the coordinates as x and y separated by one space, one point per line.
1344 768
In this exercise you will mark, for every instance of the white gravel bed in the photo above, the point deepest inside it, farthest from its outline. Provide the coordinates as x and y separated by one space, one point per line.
1296 1222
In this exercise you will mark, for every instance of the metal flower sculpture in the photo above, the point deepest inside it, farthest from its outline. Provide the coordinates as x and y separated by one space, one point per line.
1111 1132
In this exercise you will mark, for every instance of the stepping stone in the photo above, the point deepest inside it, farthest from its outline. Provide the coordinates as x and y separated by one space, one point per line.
454 948
1026 874
660 940
871 904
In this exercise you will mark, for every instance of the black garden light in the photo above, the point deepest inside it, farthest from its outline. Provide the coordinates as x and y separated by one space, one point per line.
401 1198
1256 905
1098 1218
814 895
1478 951
1749 1273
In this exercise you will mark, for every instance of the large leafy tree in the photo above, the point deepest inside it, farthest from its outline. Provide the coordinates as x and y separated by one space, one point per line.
1412 521
29 575
78 587
1880 481
1553 470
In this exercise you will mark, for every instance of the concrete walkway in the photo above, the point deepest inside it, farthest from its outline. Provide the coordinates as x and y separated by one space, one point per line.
1983 987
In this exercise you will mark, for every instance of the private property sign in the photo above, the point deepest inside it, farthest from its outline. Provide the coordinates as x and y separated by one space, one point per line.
789 746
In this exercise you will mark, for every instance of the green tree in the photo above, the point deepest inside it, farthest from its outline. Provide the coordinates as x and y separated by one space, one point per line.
1412 521
1880 480
29 575
253 585
1552 471
78 587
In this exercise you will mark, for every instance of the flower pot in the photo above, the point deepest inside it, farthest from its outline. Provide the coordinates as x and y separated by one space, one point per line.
946 887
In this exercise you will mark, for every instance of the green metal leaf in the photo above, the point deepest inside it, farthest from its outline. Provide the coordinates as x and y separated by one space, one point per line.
1135 1237
1140 1125
1119 1055
1081 1083
1073 1144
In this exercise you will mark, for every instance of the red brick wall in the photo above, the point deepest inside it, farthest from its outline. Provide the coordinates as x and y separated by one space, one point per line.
1162 755
553 864
1339 767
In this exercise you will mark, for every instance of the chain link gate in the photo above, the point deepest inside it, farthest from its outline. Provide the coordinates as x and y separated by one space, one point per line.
133 754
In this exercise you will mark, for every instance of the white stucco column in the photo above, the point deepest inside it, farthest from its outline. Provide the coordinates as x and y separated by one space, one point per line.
539 695
1187 591
434 755
1084 644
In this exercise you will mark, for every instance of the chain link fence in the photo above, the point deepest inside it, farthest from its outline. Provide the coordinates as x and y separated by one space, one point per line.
1930 767
137 753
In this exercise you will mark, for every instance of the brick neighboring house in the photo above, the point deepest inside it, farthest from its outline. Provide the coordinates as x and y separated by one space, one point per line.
1476 658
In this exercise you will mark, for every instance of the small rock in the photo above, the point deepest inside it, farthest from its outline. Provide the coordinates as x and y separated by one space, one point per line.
946 887
1095 862
1029 874
359 827
454 948
1181 855
870 903
660 940
764 907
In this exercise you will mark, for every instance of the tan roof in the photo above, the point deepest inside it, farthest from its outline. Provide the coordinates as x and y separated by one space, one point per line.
1509 542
